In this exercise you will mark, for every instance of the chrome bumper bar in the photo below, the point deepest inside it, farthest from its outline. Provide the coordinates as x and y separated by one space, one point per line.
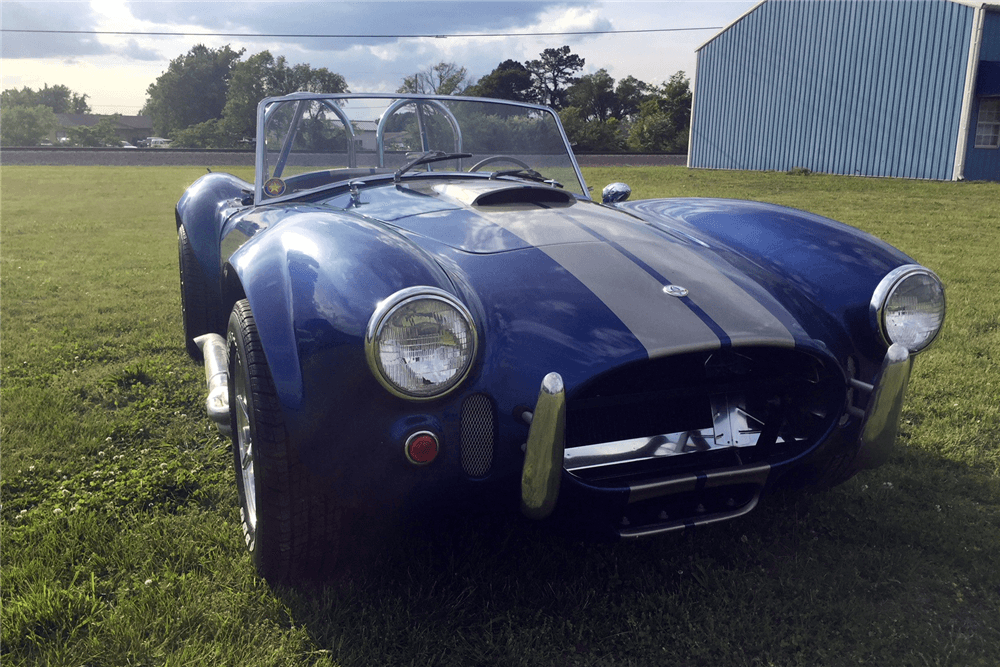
543 455
881 420
213 350
545 458
546 455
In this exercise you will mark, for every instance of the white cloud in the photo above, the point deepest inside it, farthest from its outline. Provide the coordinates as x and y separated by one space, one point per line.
117 69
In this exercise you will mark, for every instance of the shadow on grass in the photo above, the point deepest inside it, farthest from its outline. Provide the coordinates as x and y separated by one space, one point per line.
897 565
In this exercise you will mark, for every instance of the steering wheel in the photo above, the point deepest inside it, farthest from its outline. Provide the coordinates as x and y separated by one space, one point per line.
497 158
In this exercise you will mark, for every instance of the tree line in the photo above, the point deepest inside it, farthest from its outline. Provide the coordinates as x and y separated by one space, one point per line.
207 98
28 116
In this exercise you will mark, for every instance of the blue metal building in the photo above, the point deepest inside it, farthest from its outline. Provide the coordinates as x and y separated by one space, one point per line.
901 88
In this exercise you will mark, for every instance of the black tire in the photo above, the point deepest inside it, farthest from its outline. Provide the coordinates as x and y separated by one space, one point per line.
290 526
195 312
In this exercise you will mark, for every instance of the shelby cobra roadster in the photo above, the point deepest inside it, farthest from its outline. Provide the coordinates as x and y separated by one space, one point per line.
417 304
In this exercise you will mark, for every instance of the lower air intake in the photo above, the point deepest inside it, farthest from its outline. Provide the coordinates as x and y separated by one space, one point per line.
478 427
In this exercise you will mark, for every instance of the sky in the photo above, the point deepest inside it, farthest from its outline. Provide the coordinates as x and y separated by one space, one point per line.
374 54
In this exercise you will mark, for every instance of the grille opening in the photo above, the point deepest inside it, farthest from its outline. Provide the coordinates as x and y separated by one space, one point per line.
478 435
719 408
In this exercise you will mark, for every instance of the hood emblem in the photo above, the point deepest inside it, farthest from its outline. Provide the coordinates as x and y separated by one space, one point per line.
675 290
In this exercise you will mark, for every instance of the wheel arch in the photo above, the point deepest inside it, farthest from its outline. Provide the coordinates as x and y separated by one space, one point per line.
312 283
200 210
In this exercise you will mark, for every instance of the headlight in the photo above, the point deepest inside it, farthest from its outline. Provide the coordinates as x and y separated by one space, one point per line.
420 342
908 307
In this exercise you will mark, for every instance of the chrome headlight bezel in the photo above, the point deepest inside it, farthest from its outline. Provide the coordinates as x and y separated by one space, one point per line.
883 294
382 315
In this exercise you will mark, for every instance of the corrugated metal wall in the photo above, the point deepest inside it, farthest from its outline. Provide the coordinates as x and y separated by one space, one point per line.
872 88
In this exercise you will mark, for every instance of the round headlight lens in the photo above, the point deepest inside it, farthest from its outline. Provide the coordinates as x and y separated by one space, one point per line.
421 342
910 308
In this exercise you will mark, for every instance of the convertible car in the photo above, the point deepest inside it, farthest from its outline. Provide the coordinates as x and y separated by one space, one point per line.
418 305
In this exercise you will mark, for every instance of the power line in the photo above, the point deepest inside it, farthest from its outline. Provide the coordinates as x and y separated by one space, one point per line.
356 36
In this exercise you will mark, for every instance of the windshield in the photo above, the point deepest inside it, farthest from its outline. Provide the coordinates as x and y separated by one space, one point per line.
307 141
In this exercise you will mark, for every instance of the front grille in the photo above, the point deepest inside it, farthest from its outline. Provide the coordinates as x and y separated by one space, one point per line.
478 435
727 407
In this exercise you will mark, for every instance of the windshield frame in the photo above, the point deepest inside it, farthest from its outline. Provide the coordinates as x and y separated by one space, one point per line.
401 99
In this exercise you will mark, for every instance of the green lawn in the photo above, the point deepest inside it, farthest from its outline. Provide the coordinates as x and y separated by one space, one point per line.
120 543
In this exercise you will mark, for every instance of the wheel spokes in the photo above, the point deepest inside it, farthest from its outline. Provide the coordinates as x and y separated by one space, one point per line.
244 444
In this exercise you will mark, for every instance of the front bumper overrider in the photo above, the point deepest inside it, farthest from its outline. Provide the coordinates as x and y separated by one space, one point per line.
545 453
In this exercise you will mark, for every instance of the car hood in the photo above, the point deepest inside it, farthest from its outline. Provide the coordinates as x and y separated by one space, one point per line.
476 216
669 290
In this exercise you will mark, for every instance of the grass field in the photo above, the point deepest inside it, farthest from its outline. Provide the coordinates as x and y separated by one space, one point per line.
120 543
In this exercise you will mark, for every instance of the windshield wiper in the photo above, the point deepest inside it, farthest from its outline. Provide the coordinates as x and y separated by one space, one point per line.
527 174
427 158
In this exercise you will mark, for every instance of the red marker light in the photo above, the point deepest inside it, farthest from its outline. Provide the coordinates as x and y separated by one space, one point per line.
421 447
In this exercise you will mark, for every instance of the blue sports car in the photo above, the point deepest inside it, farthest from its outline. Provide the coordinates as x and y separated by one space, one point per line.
417 304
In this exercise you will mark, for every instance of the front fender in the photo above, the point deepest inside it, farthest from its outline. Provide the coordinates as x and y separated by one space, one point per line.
313 281
203 209
819 269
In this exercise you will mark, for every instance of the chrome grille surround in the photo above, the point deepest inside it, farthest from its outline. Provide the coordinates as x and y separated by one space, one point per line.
478 435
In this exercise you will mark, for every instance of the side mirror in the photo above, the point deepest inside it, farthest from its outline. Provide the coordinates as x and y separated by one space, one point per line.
615 192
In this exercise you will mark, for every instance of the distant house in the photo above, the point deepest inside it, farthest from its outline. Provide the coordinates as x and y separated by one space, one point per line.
869 87
128 128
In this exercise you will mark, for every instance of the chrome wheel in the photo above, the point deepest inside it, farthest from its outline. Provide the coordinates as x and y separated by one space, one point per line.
244 445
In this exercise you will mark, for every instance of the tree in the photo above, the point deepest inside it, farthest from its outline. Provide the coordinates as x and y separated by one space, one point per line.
209 134
630 92
594 96
664 120
26 125
192 90
59 98
509 81
551 74
441 79
590 135
102 134
262 75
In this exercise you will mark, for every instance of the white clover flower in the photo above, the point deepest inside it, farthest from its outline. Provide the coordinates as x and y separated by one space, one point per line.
57 511
148 582
107 439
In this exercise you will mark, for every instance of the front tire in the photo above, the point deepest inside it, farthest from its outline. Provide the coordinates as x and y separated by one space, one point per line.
289 525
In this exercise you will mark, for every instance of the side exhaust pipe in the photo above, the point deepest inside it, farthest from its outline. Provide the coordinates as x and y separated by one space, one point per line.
213 350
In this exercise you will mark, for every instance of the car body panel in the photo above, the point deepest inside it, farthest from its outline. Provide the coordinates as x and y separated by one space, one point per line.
604 295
